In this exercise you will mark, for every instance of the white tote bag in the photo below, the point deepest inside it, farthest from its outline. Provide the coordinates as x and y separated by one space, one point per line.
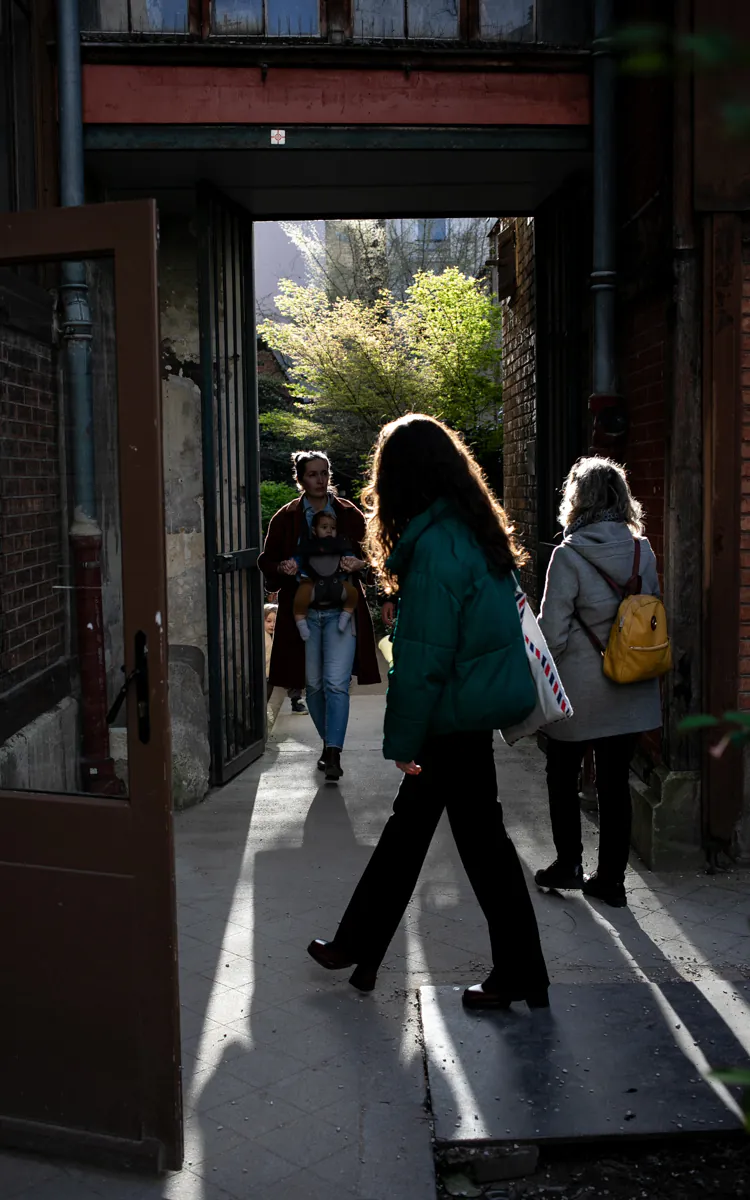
552 702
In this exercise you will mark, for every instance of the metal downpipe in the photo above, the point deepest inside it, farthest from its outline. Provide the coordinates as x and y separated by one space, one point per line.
605 402
98 774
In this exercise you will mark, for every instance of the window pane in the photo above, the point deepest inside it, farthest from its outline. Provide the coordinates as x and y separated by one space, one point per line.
292 18
379 19
238 16
140 16
433 18
508 20
62 595
432 229
168 16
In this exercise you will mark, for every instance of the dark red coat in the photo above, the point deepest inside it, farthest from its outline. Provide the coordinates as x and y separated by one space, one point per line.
282 541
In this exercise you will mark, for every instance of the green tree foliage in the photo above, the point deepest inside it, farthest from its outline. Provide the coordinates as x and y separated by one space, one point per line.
356 365
356 259
284 427
274 496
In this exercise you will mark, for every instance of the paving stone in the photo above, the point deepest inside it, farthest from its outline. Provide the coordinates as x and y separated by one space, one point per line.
269 862
260 1067
306 1141
305 1185
19 1171
59 1187
344 1169
211 1087
603 1060
254 1114
250 1166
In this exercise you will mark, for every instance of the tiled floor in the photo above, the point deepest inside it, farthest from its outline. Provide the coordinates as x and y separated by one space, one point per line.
295 1085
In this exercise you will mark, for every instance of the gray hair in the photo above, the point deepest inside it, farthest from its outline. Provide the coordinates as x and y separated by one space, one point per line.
595 487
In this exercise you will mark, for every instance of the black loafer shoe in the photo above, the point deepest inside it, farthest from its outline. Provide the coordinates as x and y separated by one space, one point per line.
477 998
326 955
560 877
612 894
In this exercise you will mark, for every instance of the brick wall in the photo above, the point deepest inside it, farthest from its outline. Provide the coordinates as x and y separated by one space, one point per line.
32 613
744 688
519 400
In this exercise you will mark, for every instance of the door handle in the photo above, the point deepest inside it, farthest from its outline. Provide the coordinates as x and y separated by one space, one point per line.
143 707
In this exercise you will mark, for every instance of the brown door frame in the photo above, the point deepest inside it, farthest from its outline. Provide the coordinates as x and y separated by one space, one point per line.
72 844
722 412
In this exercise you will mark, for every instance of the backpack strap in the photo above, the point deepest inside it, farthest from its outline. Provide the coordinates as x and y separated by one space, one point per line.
598 646
633 587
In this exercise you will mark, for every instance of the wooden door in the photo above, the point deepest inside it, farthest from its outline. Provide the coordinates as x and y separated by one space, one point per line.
89 1012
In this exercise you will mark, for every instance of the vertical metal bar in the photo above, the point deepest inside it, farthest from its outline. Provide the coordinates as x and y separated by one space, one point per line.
252 486
217 220
239 399
208 382
230 634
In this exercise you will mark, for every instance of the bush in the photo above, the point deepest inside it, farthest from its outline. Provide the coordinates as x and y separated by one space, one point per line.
274 496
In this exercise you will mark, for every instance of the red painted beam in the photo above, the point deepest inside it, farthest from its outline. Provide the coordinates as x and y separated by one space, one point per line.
179 95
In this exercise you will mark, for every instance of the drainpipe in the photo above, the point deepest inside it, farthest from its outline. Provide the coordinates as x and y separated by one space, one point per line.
97 767
605 402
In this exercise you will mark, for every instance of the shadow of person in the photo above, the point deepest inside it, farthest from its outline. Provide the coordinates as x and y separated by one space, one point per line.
314 1088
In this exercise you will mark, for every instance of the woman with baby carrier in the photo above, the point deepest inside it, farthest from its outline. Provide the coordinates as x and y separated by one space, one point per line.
601 582
324 631
459 672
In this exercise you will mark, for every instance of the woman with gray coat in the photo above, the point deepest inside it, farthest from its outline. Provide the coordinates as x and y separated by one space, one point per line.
601 520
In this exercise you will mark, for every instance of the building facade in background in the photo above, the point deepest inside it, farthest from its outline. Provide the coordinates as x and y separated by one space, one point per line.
234 115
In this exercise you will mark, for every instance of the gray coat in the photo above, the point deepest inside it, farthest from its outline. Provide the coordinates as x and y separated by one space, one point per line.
601 708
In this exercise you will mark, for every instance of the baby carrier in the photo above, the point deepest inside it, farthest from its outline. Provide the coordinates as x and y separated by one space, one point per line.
321 562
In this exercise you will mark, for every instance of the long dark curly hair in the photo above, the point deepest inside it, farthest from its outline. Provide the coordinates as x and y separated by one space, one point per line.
419 460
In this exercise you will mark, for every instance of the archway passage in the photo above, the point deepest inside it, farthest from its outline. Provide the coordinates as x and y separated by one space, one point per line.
211 182
341 171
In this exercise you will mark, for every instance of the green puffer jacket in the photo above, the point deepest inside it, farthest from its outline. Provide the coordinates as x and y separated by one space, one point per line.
459 660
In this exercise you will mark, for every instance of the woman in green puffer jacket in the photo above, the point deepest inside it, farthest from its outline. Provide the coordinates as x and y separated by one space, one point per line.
459 672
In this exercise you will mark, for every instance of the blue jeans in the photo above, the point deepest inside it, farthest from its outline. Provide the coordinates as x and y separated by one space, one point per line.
329 659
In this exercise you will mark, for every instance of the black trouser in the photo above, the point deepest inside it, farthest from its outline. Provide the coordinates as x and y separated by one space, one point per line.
458 774
612 759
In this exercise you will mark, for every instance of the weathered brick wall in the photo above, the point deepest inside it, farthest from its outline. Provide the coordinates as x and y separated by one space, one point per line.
32 612
519 400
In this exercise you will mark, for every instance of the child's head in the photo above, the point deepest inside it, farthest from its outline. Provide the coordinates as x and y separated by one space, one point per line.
269 617
324 525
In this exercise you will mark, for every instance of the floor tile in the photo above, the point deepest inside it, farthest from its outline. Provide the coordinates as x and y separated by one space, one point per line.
249 1164
19 1172
307 1141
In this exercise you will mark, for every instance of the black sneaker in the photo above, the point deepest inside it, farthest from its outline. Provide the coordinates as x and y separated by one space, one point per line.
322 759
560 876
298 707
612 894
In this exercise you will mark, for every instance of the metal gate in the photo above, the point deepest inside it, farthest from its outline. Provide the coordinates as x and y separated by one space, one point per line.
231 476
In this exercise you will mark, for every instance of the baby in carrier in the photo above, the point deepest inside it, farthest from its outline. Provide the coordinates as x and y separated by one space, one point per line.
323 583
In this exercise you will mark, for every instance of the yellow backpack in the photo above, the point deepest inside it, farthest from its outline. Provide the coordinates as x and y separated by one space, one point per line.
639 647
